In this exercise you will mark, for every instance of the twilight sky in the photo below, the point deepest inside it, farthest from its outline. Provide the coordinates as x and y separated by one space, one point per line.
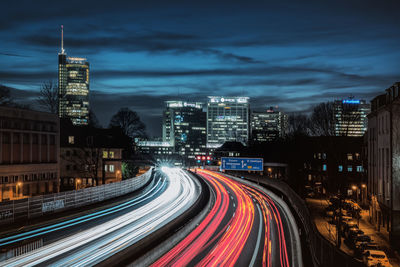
293 54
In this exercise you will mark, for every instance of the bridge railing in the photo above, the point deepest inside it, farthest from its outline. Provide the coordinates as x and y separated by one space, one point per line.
27 208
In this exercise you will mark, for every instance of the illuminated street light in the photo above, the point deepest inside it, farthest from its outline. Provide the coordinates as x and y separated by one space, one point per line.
363 185
354 187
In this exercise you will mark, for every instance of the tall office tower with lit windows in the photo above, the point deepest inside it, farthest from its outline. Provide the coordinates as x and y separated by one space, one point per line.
268 125
184 128
227 120
73 87
350 117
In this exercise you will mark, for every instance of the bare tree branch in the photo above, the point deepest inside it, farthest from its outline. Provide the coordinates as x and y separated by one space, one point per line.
48 97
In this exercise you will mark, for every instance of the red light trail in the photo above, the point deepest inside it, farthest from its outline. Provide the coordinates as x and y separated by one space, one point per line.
223 235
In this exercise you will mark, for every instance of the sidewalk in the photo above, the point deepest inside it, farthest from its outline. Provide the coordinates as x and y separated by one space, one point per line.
317 207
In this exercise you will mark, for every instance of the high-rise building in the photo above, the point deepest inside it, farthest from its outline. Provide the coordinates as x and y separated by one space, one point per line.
73 87
227 120
267 125
351 117
184 127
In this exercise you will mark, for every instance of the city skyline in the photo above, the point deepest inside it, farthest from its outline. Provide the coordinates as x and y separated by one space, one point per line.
291 55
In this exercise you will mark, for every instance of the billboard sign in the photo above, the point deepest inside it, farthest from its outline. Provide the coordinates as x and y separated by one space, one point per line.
242 164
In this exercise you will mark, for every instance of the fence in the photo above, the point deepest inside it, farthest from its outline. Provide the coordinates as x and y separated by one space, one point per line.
323 252
27 208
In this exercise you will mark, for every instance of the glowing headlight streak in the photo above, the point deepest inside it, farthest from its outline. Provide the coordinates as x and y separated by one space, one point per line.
62 225
105 240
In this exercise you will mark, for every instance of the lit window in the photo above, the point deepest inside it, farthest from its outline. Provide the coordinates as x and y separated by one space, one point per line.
324 167
360 169
349 156
349 168
111 154
71 140
105 167
111 168
340 168
105 154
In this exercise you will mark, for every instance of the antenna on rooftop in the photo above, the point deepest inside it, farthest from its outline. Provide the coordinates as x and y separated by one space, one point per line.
62 40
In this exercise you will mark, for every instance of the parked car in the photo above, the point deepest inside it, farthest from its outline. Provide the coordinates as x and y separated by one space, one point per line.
375 257
349 225
363 246
351 233
352 240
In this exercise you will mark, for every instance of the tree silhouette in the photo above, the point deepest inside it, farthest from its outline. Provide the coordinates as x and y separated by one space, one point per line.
129 121
48 97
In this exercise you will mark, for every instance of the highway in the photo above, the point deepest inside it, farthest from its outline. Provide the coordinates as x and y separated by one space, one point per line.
92 238
245 227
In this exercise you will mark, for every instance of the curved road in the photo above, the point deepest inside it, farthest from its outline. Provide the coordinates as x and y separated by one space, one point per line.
104 233
245 227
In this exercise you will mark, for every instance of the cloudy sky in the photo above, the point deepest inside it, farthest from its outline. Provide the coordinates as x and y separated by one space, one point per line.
293 54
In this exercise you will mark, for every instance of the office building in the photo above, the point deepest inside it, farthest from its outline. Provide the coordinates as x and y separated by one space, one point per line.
227 120
28 153
184 128
350 116
267 125
383 162
155 148
73 87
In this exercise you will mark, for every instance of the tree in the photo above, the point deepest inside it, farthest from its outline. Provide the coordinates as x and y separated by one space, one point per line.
129 169
5 96
322 120
93 121
298 125
88 160
48 97
129 122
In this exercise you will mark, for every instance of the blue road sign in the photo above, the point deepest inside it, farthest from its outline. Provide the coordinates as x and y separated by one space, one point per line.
242 164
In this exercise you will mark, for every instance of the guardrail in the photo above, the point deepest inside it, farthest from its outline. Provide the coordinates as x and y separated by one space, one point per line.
27 208
323 252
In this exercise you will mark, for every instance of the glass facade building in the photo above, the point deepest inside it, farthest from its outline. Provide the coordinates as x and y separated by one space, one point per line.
184 127
351 117
227 120
73 89
267 125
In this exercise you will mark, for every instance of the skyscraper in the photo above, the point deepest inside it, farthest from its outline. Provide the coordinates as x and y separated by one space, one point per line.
267 125
227 120
351 117
73 87
184 127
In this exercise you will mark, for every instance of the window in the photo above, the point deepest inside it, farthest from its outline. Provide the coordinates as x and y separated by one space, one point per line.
111 154
105 167
349 156
360 169
340 168
71 139
105 154
111 168
324 167
349 168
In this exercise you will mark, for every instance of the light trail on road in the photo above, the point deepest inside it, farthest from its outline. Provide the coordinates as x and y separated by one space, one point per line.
98 243
244 227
